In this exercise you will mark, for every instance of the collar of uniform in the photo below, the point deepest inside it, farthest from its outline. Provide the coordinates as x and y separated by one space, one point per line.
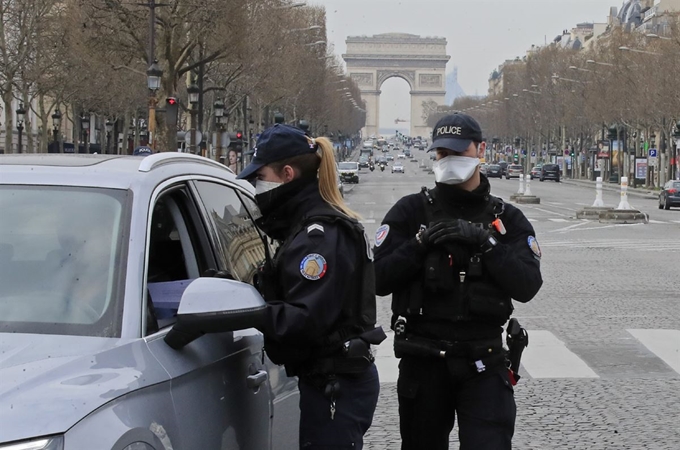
284 206
454 195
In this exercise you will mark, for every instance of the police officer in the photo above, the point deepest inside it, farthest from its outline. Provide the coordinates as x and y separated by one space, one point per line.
453 257
319 287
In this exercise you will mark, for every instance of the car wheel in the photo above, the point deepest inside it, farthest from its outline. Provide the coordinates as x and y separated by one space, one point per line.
541 179
660 203
557 179
666 205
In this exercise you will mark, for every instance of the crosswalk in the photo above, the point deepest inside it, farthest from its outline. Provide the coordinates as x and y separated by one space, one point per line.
549 357
539 219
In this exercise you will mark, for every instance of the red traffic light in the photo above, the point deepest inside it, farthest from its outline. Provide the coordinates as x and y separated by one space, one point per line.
239 135
171 101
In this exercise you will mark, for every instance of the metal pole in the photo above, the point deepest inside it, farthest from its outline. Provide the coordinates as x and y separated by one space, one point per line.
20 127
152 31
108 142
192 144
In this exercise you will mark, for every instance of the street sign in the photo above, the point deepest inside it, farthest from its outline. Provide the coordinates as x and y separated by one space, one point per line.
652 153
533 154
188 140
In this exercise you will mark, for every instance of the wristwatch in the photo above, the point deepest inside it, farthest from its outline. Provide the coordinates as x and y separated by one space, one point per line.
489 244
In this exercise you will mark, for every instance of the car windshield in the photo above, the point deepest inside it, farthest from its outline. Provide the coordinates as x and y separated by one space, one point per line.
494 167
676 185
347 166
62 254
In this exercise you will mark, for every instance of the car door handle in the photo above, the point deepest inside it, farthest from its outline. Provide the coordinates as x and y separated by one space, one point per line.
254 381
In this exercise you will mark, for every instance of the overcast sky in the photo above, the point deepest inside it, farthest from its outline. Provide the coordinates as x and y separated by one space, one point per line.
480 34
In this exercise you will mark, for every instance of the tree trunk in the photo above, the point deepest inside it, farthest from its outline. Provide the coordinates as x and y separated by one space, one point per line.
9 119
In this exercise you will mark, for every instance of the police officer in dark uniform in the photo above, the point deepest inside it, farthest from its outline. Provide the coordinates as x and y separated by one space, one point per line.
319 287
453 257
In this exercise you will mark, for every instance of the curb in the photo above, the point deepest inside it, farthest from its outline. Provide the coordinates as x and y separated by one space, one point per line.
636 192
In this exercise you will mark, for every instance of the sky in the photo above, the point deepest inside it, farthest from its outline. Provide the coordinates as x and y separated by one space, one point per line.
481 34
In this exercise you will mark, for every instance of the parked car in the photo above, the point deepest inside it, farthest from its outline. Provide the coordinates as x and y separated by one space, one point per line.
535 171
113 267
349 171
398 167
670 195
550 172
494 171
514 171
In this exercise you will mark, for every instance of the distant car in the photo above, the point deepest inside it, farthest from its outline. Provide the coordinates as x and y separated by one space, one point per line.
504 167
341 186
535 171
401 156
398 167
550 172
407 153
433 156
113 267
494 171
670 195
363 161
483 168
349 171
514 171
390 157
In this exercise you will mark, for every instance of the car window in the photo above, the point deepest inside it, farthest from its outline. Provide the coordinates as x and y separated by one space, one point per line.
175 258
62 254
242 248
347 166
676 185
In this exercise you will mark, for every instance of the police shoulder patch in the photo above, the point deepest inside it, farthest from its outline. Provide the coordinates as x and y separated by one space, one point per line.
381 234
313 266
533 245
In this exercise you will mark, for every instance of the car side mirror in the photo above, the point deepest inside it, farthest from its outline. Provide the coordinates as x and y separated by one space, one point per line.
215 305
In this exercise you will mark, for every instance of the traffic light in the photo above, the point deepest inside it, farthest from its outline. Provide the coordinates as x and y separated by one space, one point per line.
171 106
572 153
239 135
515 157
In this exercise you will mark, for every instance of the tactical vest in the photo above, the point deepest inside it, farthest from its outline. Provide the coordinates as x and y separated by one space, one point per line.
359 304
454 284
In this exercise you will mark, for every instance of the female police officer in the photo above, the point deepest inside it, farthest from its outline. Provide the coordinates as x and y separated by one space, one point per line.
453 258
319 287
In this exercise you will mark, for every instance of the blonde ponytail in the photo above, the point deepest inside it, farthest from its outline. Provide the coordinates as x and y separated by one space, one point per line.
328 173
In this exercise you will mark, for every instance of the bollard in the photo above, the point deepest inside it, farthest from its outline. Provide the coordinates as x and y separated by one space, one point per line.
521 185
624 195
599 203
527 190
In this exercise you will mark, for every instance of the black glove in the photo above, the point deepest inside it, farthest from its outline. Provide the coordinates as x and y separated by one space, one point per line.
458 230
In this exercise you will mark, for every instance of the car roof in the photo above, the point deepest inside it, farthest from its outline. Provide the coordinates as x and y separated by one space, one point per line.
107 171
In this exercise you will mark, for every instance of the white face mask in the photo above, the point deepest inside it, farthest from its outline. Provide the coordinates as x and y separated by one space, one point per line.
265 186
454 169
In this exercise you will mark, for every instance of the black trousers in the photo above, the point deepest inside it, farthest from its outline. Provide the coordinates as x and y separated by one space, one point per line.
354 408
432 392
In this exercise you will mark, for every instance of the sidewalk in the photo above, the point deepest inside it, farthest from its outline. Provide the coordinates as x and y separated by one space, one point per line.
635 192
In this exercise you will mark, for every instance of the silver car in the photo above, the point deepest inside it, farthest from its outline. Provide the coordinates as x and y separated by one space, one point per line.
127 308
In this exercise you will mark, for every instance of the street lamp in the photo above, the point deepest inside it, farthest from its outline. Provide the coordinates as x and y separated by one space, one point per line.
590 61
656 36
56 124
635 50
218 107
109 129
313 27
193 91
21 115
154 75
85 126
315 43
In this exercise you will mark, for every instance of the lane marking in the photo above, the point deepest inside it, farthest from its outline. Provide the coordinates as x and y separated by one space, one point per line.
558 220
663 343
570 227
548 357
656 221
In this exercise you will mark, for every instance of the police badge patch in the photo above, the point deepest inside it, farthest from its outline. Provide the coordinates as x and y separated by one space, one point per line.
313 266
381 234
533 245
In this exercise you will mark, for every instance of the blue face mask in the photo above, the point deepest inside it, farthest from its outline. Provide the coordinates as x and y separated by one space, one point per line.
454 169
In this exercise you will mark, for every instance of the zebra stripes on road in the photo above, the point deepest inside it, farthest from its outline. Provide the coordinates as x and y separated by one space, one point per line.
618 244
549 357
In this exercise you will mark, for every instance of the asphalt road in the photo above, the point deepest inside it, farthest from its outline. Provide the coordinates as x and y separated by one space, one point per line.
602 370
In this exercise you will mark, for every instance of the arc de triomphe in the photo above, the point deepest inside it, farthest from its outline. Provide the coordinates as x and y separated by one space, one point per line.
420 61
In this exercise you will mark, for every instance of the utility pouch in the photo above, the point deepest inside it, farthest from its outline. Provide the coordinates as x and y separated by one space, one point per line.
484 300
439 273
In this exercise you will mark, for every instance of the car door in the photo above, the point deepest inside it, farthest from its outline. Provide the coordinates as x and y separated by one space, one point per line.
219 385
224 204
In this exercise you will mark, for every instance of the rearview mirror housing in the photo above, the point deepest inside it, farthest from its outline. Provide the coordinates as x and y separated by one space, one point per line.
215 305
